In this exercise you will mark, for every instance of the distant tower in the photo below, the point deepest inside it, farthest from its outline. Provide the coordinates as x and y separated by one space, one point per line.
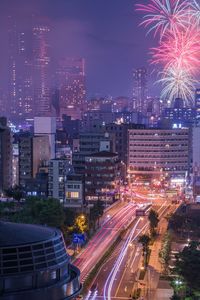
71 83
140 89
41 65
21 102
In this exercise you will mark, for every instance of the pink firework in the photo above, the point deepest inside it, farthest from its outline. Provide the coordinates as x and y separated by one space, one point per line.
163 16
181 50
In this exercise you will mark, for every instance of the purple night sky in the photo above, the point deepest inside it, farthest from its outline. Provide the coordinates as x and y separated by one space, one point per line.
105 32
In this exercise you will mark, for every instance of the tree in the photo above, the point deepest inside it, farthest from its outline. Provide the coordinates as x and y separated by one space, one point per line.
187 266
16 192
177 222
96 212
154 220
175 297
164 253
145 240
41 211
81 223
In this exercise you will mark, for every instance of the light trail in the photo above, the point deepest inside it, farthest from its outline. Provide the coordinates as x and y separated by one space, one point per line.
110 280
88 296
103 239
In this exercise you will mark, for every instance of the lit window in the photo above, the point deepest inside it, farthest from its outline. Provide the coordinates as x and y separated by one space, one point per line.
74 195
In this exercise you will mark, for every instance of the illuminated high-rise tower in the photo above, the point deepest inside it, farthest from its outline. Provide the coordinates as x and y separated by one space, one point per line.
140 89
71 83
20 89
41 66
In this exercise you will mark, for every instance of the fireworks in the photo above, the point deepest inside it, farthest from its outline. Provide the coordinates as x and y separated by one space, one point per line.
182 51
178 53
177 81
164 16
195 11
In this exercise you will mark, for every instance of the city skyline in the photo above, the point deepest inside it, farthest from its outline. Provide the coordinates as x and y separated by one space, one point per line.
117 43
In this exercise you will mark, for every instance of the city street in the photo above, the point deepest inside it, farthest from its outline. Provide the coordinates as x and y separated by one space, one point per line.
101 241
116 278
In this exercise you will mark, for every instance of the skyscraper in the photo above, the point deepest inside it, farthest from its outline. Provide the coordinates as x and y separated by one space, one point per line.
41 66
21 100
71 83
140 89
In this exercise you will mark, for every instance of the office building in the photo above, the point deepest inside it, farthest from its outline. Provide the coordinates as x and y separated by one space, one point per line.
25 158
41 152
122 104
101 118
35 264
41 69
140 89
74 191
103 175
197 104
154 152
34 152
46 126
58 171
179 115
120 133
90 142
20 83
38 186
5 155
72 86
196 160
15 164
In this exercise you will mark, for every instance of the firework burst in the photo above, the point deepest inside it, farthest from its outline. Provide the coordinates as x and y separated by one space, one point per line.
177 22
195 11
182 51
164 16
177 82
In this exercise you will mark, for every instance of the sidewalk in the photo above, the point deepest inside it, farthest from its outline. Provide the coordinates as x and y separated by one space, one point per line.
154 261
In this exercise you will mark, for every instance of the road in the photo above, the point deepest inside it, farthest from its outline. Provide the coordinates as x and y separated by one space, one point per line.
116 278
101 241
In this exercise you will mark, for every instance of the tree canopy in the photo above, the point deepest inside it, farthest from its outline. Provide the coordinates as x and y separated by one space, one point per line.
188 266
40 211
154 220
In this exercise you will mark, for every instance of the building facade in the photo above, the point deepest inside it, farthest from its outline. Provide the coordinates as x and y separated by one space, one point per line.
156 152
90 142
102 177
72 86
5 155
140 89
46 126
41 69
74 191
58 171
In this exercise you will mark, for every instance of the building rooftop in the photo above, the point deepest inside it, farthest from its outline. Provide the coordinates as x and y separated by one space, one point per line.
14 234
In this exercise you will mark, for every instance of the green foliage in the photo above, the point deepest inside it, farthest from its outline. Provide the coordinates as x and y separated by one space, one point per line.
136 294
165 251
175 297
96 212
153 220
40 211
145 241
188 266
15 192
